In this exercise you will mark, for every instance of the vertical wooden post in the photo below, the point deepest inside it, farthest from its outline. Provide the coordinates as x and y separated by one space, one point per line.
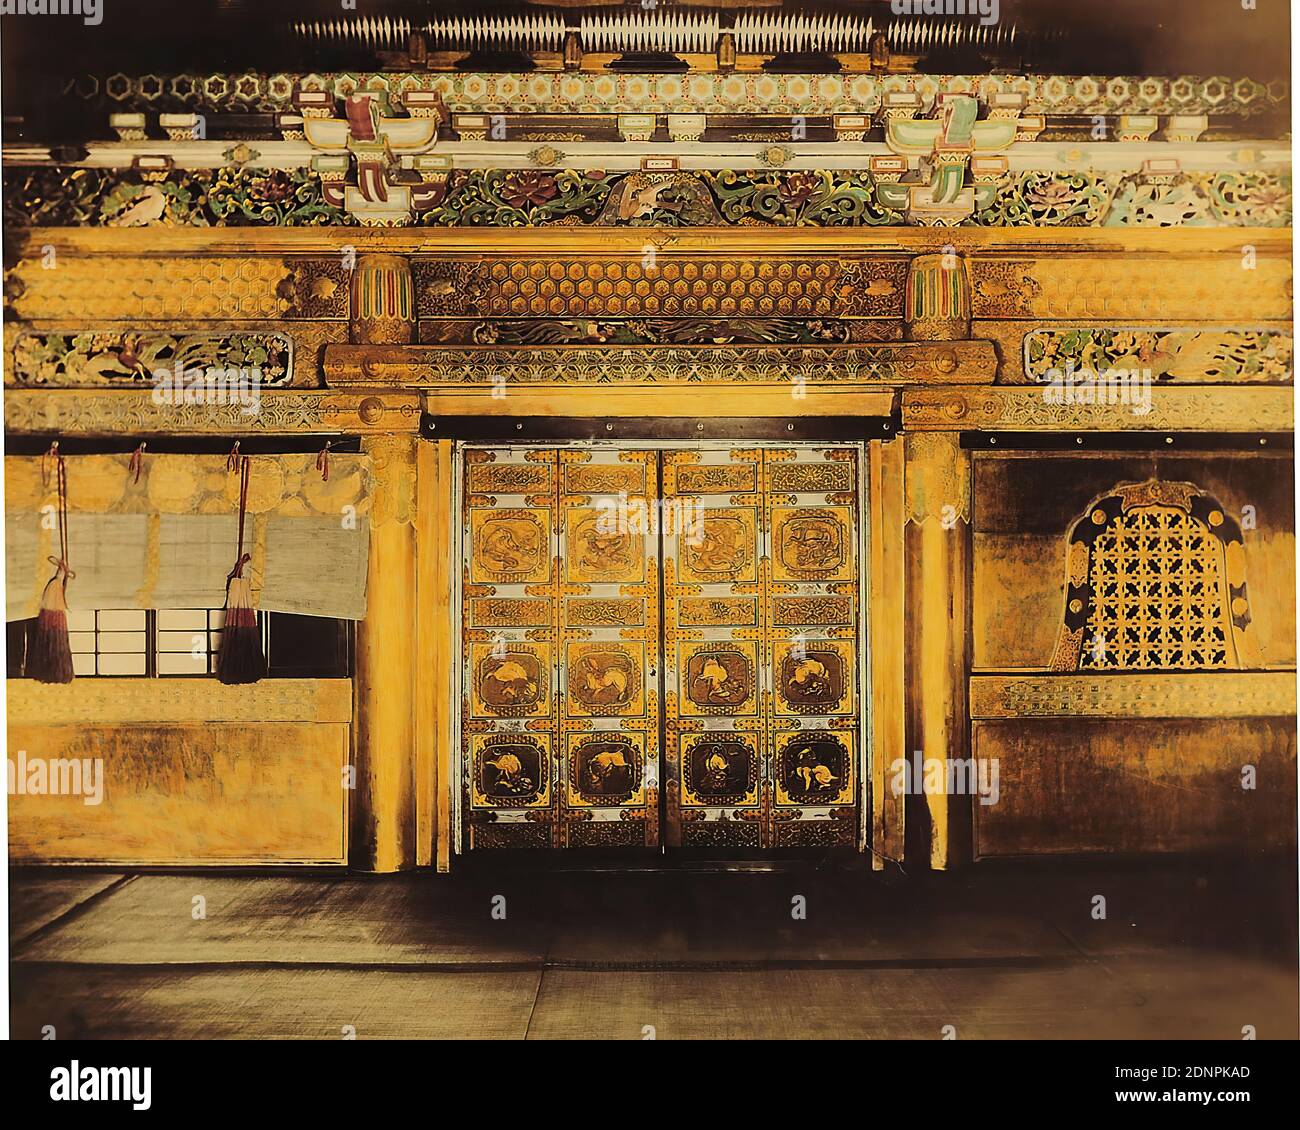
384 825
888 634
383 812
437 689
938 489
937 473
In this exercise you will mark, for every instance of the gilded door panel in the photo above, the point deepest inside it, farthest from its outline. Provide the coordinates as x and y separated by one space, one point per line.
756 655
510 740
609 626
560 715
761 617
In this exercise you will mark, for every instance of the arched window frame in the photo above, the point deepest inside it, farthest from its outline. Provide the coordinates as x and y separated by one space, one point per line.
1100 516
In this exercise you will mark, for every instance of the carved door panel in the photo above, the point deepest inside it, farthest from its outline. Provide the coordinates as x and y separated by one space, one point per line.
762 611
560 594
571 665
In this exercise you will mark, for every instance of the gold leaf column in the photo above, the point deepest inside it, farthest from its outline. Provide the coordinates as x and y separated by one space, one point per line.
937 479
384 806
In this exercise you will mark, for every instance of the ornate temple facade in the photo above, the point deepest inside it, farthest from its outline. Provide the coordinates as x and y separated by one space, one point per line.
697 434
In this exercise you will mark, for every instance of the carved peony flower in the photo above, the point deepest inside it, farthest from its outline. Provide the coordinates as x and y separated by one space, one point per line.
1051 194
272 188
795 188
528 187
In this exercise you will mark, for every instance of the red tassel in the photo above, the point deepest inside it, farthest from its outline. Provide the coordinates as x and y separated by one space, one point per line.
240 659
49 658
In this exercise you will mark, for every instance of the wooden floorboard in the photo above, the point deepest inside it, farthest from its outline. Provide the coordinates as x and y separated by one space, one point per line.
350 920
45 897
1183 951
148 1002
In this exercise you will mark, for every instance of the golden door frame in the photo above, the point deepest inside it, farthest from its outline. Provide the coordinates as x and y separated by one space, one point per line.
437 768
645 814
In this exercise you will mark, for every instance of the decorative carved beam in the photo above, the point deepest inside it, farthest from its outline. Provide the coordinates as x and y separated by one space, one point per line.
1256 694
134 413
1027 408
674 366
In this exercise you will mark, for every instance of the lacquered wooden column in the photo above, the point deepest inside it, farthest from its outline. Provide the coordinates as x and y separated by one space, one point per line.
384 825
383 811
437 688
887 626
938 499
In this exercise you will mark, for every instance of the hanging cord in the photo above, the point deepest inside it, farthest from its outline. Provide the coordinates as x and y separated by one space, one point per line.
61 474
232 460
137 462
48 460
242 558
323 461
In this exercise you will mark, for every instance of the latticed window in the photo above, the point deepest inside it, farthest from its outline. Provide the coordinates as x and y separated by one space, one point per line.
1156 581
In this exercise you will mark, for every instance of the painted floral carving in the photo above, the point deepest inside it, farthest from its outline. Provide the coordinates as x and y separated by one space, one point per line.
121 358
528 187
1205 356
568 197
1049 199
230 197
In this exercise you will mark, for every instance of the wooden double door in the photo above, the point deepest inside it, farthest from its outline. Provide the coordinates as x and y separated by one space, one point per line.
661 647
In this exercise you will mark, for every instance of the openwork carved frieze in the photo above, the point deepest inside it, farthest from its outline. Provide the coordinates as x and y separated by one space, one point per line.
1090 199
1187 355
294 196
114 357
229 196
660 331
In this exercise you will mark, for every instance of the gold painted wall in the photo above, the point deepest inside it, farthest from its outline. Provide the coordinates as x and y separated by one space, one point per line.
193 772
1137 785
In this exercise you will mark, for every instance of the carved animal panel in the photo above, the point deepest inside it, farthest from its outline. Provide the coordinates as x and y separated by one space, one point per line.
509 546
720 769
511 681
813 768
812 678
812 544
510 770
604 768
598 549
720 548
718 679
604 679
